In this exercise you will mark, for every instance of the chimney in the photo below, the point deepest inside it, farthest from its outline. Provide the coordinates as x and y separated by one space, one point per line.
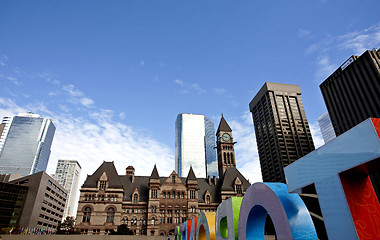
214 179
130 171
209 179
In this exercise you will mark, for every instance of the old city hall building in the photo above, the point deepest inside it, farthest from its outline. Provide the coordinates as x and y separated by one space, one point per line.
154 205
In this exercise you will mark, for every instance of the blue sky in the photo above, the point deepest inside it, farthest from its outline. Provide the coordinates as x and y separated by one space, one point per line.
115 74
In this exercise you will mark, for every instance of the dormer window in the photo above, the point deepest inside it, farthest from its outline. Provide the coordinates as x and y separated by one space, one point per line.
238 189
102 185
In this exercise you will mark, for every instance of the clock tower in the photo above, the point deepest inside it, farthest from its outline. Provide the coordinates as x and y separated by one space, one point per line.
225 147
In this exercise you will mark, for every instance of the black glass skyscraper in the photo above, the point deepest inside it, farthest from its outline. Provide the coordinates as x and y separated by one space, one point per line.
282 131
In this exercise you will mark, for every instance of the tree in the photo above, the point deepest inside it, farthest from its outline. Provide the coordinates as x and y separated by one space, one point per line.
66 227
122 230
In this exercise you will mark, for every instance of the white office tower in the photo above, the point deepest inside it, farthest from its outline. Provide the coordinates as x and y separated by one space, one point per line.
25 144
195 145
67 175
326 127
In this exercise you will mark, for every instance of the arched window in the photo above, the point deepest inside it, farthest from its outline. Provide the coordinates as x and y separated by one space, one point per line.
152 221
228 158
164 194
86 214
173 194
110 215
224 157
135 198
208 199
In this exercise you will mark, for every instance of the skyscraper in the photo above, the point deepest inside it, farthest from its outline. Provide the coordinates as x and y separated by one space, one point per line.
352 92
326 127
67 175
195 145
282 131
25 144
352 95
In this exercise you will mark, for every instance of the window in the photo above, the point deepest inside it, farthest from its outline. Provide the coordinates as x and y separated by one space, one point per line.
173 194
164 194
192 194
173 179
135 198
102 185
110 215
208 199
154 193
152 221
86 214
238 189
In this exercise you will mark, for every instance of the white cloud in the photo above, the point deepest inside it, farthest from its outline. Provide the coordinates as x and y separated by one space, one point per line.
356 42
122 115
317 135
3 60
360 41
325 68
70 89
189 88
96 138
87 102
14 80
247 158
220 91
303 33
142 62
179 82
77 96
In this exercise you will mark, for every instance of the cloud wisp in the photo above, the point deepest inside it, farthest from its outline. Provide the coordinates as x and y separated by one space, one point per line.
186 88
356 42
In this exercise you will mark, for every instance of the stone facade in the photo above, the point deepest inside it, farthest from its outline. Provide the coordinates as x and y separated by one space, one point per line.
154 205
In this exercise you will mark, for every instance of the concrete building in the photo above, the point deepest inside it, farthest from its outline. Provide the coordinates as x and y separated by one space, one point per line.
67 174
25 144
282 131
45 202
195 145
326 127
154 205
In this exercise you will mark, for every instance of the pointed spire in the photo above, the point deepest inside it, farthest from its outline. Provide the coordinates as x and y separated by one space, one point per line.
223 126
154 174
191 175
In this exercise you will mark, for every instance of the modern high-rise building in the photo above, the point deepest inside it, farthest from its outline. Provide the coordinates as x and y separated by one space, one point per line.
195 145
282 131
326 127
352 92
25 144
67 175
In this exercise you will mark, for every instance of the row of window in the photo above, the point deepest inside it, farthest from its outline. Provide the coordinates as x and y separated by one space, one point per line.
52 206
55 200
101 197
51 212
57 188
173 195
45 224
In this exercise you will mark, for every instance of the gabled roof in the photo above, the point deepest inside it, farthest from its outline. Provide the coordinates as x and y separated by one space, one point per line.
154 174
228 179
112 176
223 126
191 175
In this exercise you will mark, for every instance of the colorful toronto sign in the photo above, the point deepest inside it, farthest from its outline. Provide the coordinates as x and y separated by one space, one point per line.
339 171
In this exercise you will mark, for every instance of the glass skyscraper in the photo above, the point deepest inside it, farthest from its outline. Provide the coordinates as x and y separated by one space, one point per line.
326 127
195 145
67 174
25 144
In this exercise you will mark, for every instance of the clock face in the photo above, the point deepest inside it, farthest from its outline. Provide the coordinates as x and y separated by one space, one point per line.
226 137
